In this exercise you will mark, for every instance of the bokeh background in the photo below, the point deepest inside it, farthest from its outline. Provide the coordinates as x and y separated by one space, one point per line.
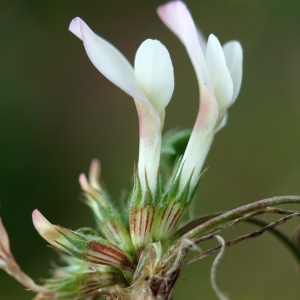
57 112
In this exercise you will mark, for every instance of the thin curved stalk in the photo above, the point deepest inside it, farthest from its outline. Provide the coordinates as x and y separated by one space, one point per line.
203 218
238 212
257 233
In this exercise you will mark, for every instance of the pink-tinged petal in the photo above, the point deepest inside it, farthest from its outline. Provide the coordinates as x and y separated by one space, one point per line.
219 75
178 19
200 141
94 174
47 230
74 27
233 52
107 59
115 67
9 265
85 186
153 71
4 240
91 193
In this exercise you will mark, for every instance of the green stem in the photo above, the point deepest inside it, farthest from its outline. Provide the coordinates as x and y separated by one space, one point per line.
268 226
237 212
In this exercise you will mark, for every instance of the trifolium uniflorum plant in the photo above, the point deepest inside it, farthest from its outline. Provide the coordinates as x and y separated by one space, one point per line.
138 252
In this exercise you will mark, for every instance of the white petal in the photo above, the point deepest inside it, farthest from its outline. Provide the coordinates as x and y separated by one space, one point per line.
196 152
107 59
234 59
202 39
223 123
149 146
154 73
178 19
219 75
115 67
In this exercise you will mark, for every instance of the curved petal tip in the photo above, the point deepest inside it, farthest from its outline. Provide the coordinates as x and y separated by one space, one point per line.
94 173
84 182
179 5
39 221
75 27
46 230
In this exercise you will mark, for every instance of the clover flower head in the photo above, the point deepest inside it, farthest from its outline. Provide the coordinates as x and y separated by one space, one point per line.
135 249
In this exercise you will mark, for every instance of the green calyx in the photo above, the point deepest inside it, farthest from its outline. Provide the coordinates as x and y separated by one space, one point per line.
95 250
108 220
75 287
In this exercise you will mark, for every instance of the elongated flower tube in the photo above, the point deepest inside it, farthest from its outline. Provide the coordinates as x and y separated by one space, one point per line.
219 74
151 84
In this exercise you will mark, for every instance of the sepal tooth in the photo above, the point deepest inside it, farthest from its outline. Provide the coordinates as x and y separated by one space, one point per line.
166 219
141 214
172 207
107 217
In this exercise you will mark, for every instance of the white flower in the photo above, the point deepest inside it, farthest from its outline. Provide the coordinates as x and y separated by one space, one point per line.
150 83
219 74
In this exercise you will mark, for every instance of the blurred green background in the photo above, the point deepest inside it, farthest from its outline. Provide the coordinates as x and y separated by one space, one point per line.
57 112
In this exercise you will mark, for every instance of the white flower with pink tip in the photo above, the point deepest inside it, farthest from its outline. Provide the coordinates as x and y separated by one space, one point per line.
150 83
219 74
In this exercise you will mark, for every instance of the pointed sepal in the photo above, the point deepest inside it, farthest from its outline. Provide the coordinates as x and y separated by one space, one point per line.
88 248
108 218
171 208
141 213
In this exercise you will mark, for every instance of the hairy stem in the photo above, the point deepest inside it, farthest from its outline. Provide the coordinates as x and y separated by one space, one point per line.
236 213
257 233
203 218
